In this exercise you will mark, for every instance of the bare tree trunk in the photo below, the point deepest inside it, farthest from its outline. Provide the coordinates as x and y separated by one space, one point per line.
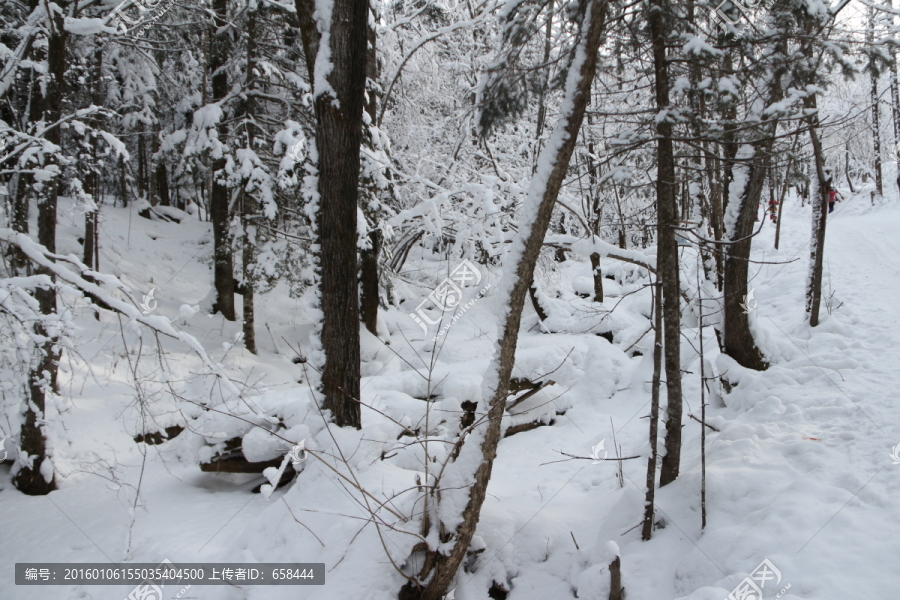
368 279
249 316
162 184
33 476
598 277
667 247
248 204
141 164
368 263
594 195
847 169
90 237
729 147
895 98
876 128
22 191
647 529
616 591
223 265
737 339
338 138
21 199
93 180
819 220
542 107
540 200
123 183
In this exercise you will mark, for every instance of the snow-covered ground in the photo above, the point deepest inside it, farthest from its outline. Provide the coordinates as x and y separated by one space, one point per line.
799 473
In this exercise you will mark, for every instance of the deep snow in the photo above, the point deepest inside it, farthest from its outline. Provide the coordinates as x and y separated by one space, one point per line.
800 474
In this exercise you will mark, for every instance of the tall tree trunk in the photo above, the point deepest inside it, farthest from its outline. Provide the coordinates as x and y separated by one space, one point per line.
650 498
594 196
847 168
338 138
93 180
223 269
368 263
34 473
18 262
876 128
658 19
895 88
440 568
729 147
542 106
162 184
737 339
368 281
248 203
819 219
123 182
141 164
895 99
598 277
249 316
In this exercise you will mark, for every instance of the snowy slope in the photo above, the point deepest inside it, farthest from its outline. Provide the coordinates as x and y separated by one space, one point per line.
800 472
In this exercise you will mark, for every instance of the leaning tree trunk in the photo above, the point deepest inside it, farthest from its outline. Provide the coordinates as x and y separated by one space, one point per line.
737 339
34 473
223 263
440 568
667 246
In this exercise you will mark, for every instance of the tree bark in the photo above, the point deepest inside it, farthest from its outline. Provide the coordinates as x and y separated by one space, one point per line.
368 280
29 477
223 265
439 569
647 529
819 220
338 138
598 277
248 203
737 339
667 247
93 179
368 264
876 127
